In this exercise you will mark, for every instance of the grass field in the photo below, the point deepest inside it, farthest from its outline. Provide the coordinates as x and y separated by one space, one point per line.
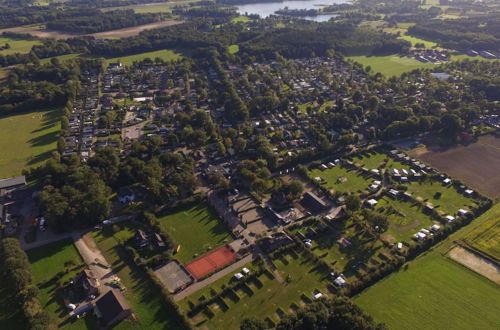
241 19
160 7
141 293
390 65
353 180
197 229
415 40
46 262
27 139
264 297
434 292
17 45
166 55
233 49
486 237
61 58
379 160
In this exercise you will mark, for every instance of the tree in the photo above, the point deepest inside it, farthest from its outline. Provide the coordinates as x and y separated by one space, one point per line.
353 202
253 324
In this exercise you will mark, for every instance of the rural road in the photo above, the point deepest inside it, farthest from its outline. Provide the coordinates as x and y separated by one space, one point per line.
199 285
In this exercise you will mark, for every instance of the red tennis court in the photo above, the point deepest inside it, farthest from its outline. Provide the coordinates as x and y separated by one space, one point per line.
210 262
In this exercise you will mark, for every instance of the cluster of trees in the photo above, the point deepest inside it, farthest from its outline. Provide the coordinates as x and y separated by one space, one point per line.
479 33
23 15
335 313
255 175
16 271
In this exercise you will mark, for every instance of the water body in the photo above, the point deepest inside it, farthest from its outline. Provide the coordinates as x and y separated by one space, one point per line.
266 9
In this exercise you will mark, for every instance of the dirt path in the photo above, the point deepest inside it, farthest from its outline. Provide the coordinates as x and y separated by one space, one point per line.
476 263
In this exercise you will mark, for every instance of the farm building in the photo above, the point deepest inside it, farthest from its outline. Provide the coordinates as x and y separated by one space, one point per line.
112 308
313 203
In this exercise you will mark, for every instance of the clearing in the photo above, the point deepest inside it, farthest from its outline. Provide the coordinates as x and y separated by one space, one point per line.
27 139
165 54
390 65
477 164
197 229
17 45
434 292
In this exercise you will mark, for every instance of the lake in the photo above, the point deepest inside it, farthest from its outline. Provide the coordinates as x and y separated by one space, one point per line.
266 9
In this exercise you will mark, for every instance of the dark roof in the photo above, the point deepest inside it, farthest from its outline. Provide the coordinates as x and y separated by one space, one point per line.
313 202
111 305
12 182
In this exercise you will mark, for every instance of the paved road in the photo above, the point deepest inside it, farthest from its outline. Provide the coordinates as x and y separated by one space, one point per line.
199 285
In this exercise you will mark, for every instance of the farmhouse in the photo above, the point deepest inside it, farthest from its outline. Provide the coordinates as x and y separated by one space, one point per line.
112 308
85 284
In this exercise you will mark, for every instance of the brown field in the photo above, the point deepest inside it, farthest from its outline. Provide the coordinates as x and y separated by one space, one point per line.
477 164
475 262
119 33
210 262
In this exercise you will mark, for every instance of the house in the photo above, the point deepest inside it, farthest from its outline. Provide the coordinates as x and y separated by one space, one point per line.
158 241
12 183
371 203
85 285
126 195
339 281
141 239
313 203
112 308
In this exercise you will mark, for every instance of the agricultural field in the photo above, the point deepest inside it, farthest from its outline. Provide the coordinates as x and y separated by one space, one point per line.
486 237
339 178
166 55
477 164
434 292
390 65
267 297
27 139
140 292
196 229
157 7
46 262
17 45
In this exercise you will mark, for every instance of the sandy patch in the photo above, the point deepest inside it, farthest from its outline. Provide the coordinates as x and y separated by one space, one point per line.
476 263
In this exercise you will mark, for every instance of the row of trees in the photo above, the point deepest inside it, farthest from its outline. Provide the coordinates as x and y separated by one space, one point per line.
16 271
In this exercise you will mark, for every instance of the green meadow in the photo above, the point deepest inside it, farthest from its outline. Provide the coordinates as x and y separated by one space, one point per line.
165 54
27 139
390 65
17 45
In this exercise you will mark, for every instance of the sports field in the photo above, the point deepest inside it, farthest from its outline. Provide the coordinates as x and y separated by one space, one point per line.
210 262
166 55
27 139
17 45
434 292
477 164
390 65
197 229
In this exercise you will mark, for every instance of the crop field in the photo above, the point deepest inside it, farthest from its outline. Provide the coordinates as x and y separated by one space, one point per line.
197 229
141 293
341 179
390 65
434 292
267 297
46 262
486 237
477 164
27 139
17 45
166 55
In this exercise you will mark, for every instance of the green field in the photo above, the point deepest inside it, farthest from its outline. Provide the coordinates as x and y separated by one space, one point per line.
166 55
241 19
17 45
27 139
486 237
197 229
434 292
46 262
141 293
160 7
390 65
61 58
450 200
262 298
415 40
341 179
378 160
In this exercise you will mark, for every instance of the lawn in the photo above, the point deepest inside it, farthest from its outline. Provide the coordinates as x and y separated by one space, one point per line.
17 45
434 292
406 219
263 298
165 54
390 65
27 139
351 181
486 237
415 40
141 293
233 49
449 202
61 58
241 19
46 262
197 229
379 160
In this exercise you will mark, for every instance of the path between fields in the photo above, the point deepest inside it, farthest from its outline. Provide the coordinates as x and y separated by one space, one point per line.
201 284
